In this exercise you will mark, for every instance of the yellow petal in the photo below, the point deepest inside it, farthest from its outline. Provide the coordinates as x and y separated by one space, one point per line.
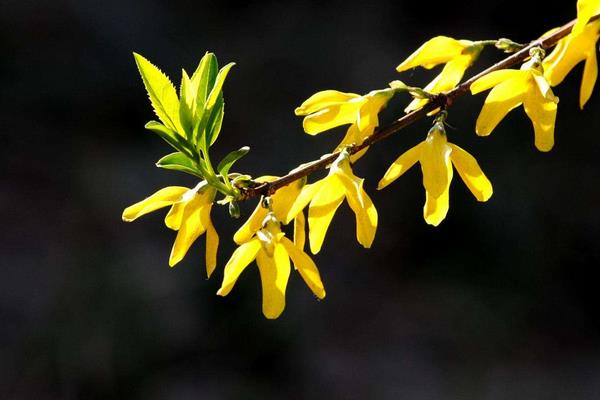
590 73
364 209
435 51
306 195
330 117
274 275
501 99
175 216
542 113
306 267
400 166
252 224
586 9
191 228
558 64
212 240
368 115
322 208
284 198
435 163
239 260
164 197
436 208
471 173
299 230
496 77
324 99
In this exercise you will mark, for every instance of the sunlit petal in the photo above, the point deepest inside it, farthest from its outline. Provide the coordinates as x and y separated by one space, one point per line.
542 113
324 99
436 208
189 231
496 77
437 50
163 198
435 162
306 267
471 173
501 99
322 208
400 166
239 260
274 275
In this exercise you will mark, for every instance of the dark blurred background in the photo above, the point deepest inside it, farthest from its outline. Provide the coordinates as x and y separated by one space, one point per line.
499 302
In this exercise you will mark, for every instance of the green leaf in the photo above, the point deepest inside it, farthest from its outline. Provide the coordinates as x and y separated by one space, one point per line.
171 137
179 162
187 93
218 86
228 161
161 92
215 120
204 77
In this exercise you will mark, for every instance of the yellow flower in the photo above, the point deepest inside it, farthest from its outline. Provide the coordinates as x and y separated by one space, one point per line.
272 251
458 55
512 88
326 195
282 201
436 157
586 9
189 215
569 52
328 109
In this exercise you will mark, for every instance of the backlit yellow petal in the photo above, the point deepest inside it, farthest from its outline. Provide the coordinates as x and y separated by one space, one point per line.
212 240
435 162
471 173
284 198
252 224
191 228
438 50
164 197
496 77
435 209
364 210
368 114
239 260
586 9
299 230
590 73
331 117
306 195
324 99
175 216
501 99
274 275
306 267
400 166
322 208
542 113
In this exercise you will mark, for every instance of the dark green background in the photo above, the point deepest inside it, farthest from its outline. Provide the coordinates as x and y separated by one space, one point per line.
499 302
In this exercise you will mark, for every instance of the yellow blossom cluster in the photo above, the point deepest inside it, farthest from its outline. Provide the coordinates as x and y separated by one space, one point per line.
191 124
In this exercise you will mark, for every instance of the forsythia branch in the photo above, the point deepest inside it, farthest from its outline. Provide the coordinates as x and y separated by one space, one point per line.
443 100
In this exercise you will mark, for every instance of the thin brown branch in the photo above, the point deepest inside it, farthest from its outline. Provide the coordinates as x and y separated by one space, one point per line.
442 100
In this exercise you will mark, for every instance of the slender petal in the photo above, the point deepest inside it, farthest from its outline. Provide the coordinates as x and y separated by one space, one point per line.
400 166
496 77
542 113
212 240
306 195
471 173
321 211
306 267
191 228
300 230
274 275
586 9
331 117
501 99
435 163
590 73
164 197
175 216
252 224
436 208
435 51
324 99
363 207
239 260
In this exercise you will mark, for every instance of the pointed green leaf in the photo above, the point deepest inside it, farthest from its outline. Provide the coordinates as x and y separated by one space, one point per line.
161 92
218 86
187 104
228 161
204 77
179 162
170 136
215 120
